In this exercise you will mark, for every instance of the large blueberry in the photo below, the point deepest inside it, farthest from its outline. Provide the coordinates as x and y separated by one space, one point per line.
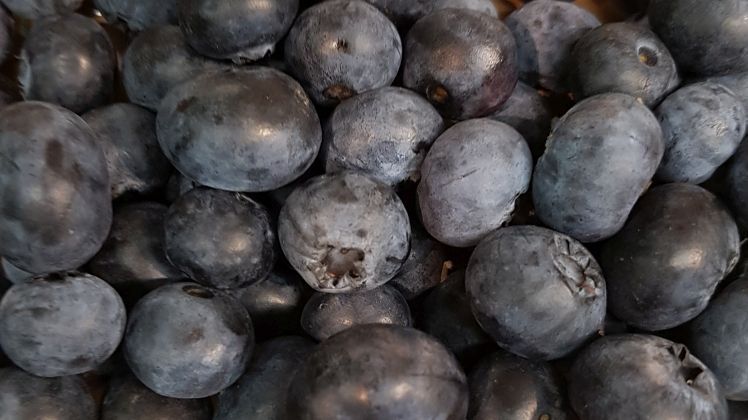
27 397
36 9
530 114
139 14
424 266
128 399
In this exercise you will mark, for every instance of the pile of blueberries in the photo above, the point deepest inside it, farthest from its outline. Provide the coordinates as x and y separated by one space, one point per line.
381 209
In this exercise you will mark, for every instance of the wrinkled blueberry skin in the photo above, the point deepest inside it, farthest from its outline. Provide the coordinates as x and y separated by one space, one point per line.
139 14
464 62
341 48
540 294
404 373
623 57
471 179
504 386
546 31
185 341
68 61
717 30
423 268
36 9
384 133
128 399
528 113
260 394
405 12
27 397
61 324
702 124
634 376
737 83
737 188
219 238
344 232
719 337
132 259
327 314
599 159
12 273
157 60
238 30
663 266
134 159
246 130
54 188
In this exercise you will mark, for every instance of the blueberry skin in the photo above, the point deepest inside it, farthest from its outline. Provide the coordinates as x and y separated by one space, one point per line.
54 188
530 114
138 14
7 28
275 304
158 59
128 399
540 294
599 159
186 341
404 373
12 273
737 188
405 12
635 376
546 31
27 397
61 324
384 133
703 125
340 48
179 185
471 179
464 62
134 159
260 394
132 259
327 314
344 232
737 83
238 30
717 30
423 268
504 386
37 9
663 266
246 130
219 238
68 61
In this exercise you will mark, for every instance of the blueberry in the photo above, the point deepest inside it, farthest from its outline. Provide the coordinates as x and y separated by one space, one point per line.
405 12
423 268
538 293
737 83
632 376
128 135
139 14
128 399
623 57
663 266
703 125
463 61
132 259
530 114
238 30
379 372
260 394
54 186
186 341
219 238
738 410
599 158
705 38
471 179
504 386
344 232
737 188
340 48
179 185
384 133
13 273
27 397
36 9
69 61
546 31
245 130
7 26
61 324
158 59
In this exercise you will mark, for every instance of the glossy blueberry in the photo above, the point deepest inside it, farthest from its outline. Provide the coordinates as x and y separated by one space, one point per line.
737 188
139 14
27 397
12 273
340 48
379 371
632 376
54 186
423 268
69 61
128 399
275 304
36 9
530 114
599 158
464 62
471 179
384 133
186 341
664 265
61 324
245 130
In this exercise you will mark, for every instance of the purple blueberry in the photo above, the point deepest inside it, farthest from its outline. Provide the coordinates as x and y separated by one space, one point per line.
128 399
27 397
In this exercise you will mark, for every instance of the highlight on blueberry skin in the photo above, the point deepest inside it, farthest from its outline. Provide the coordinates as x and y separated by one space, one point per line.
36 9
139 14
24 396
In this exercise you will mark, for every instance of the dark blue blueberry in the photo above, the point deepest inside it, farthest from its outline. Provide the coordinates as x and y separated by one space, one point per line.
424 266
405 12
36 9
737 188
128 399
530 114
139 14
27 397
